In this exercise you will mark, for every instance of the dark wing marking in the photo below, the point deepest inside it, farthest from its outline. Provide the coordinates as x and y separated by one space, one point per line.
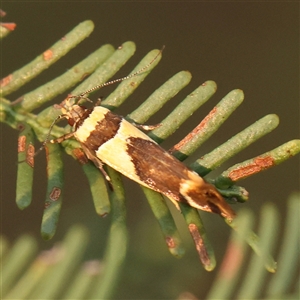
156 167
162 172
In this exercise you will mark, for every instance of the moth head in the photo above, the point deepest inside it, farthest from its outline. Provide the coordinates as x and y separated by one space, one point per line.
72 111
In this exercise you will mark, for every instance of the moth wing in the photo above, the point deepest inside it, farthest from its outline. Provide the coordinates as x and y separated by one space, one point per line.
135 155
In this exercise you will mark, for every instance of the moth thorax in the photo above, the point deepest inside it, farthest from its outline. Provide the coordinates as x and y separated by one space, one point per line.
77 114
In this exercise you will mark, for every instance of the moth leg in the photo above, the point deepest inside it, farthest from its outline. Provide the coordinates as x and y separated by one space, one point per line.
98 102
146 127
98 163
61 139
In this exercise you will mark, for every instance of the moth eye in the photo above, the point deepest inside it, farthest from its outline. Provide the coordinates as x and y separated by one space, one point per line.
71 122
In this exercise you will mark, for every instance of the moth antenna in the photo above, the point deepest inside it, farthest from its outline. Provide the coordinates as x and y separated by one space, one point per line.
97 87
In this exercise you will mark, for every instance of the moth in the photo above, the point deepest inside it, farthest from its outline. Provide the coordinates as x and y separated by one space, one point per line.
108 139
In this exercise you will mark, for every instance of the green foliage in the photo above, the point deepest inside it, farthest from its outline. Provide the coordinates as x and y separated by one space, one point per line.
61 273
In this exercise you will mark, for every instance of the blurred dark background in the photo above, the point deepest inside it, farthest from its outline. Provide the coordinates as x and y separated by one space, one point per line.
250 46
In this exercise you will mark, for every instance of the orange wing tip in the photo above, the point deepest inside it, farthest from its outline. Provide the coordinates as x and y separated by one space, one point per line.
202 195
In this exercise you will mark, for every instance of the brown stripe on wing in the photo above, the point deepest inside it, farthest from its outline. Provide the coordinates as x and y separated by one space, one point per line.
162 172
105 130
157 168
